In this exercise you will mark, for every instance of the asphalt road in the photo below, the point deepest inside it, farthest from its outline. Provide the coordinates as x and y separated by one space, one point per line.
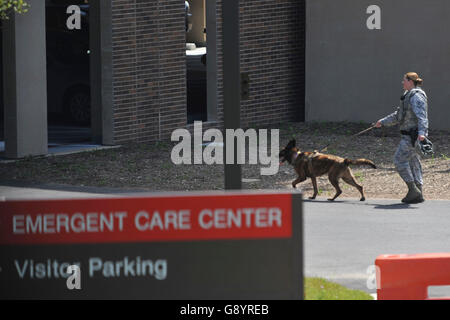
342 239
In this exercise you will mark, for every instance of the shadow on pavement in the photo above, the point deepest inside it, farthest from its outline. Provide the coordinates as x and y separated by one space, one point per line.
323 201
394 206
390 206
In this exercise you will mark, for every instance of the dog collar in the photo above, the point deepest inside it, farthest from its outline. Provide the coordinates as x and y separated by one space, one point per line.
295 156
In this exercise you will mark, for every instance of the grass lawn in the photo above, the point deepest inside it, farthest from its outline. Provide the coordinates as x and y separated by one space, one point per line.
320 289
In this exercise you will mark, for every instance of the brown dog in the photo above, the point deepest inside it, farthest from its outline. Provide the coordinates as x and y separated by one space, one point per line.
315 164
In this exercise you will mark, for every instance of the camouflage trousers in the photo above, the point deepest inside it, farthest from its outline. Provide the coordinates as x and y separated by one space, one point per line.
407 162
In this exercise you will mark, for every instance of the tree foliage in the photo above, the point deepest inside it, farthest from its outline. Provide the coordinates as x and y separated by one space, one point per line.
9 6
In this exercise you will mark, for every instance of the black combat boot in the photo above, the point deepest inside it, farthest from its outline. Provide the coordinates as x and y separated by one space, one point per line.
419 186
414 195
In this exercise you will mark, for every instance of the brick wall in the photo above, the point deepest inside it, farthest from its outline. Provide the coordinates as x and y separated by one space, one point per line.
272 52
272 41
150 68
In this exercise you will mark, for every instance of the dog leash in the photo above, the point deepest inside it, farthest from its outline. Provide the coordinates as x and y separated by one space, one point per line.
355 135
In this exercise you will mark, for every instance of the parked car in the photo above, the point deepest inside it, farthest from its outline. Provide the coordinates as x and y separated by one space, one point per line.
68 80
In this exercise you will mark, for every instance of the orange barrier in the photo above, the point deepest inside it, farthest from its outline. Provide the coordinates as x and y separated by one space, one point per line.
407 277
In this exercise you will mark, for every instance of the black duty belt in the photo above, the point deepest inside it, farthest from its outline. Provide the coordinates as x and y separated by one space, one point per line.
409 132
413 133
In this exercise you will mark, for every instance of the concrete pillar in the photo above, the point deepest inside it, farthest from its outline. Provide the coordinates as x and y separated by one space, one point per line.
25 82
100 31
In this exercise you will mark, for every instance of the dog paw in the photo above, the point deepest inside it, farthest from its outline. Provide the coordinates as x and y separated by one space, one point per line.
312 198
330 199
362 199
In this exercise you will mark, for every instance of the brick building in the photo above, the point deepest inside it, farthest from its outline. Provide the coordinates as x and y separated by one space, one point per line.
138 69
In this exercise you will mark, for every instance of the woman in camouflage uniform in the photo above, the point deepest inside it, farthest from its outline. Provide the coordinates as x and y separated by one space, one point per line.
412 117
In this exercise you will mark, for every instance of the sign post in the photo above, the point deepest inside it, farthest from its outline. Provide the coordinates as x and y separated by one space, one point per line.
231 87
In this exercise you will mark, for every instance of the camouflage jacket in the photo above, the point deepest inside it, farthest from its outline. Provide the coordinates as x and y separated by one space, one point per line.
412 112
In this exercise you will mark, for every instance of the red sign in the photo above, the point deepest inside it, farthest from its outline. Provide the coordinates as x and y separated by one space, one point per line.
144 219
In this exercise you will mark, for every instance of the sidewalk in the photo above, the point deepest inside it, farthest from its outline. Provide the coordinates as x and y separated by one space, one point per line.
17 191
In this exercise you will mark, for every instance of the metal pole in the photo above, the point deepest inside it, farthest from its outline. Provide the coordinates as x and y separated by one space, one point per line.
231 86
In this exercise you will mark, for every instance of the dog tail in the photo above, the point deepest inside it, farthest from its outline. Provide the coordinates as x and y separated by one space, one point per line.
360 162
